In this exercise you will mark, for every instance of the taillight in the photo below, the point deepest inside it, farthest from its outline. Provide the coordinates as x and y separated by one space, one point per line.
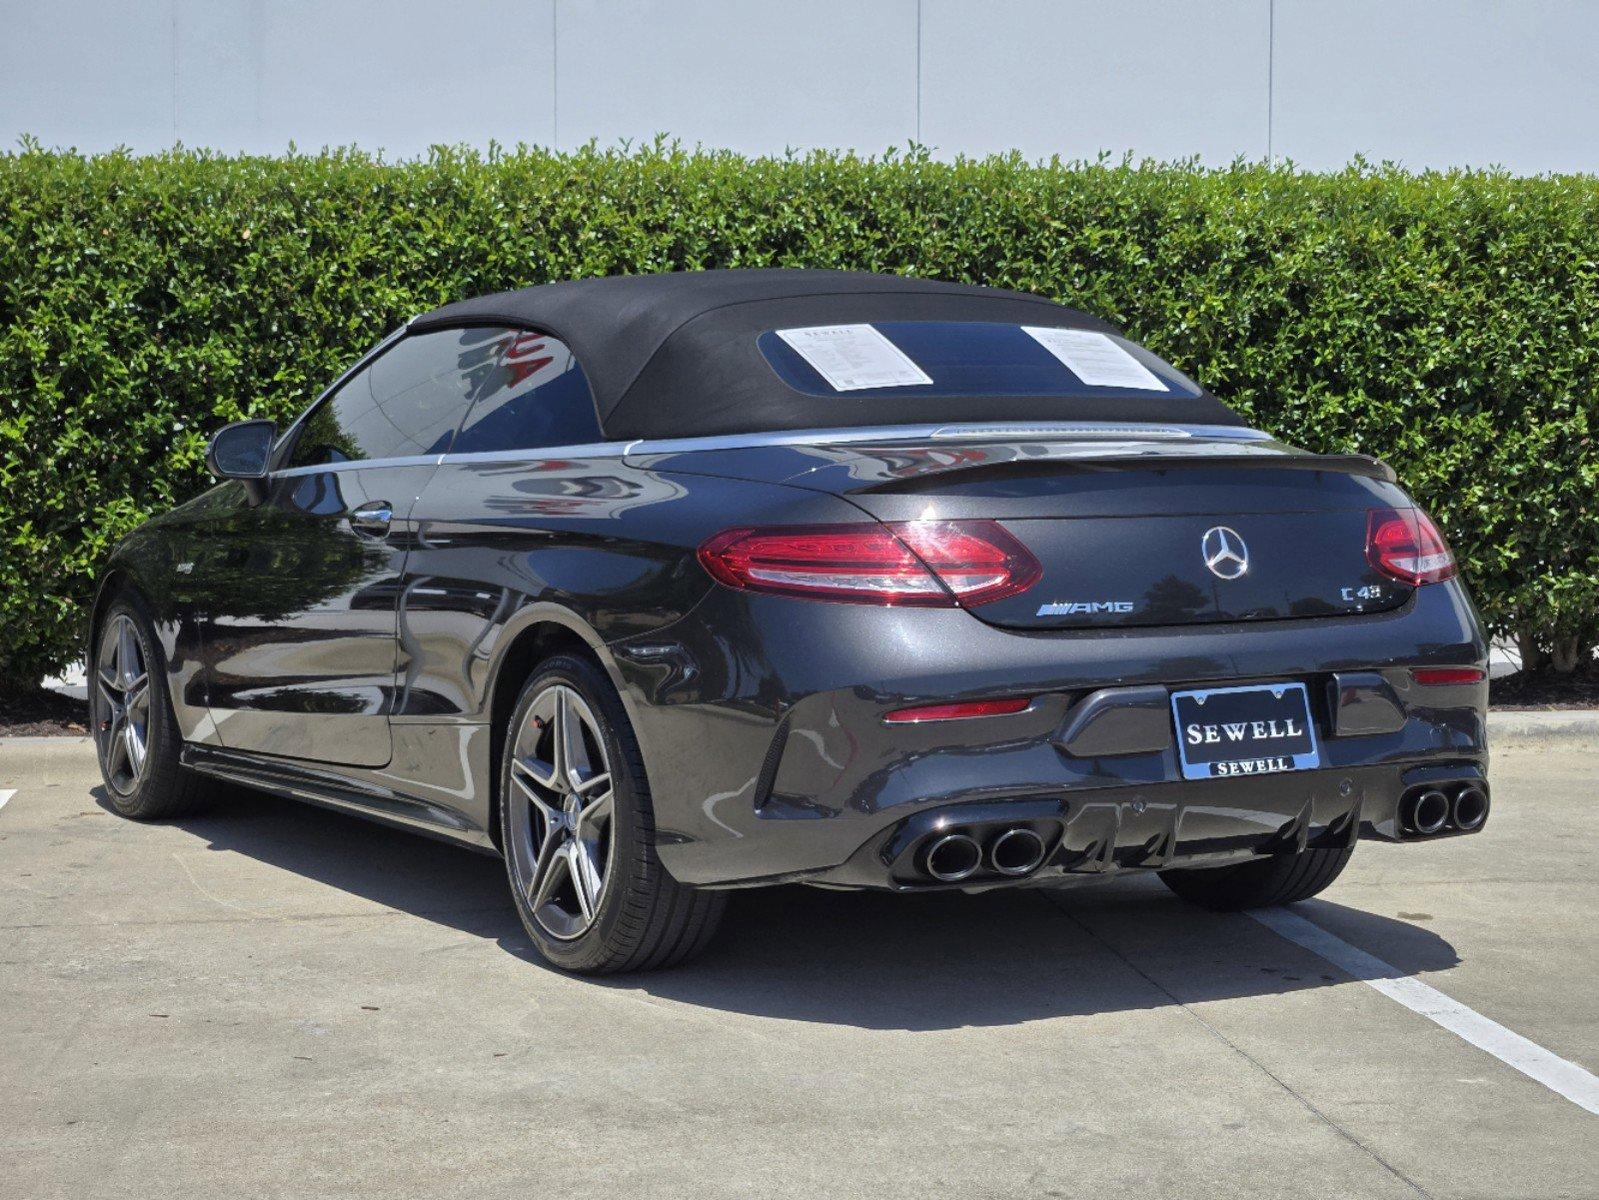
940 563
1404 544
976 560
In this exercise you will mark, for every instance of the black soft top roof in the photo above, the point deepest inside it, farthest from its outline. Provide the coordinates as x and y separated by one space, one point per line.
675 355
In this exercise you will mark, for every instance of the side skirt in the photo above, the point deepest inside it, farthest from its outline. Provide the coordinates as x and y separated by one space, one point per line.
298 781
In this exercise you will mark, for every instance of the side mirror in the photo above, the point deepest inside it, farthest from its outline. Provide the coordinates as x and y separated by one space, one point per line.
242 450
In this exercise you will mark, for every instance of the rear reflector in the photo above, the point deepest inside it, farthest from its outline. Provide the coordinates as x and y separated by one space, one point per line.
958 712
1404 544
1438 676
929 563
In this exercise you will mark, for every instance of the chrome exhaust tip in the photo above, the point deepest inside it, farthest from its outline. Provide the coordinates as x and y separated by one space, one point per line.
1428 812
952 858
1470 808
1017 851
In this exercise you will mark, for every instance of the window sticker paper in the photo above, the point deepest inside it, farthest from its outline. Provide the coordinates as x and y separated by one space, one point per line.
1096 359
853 357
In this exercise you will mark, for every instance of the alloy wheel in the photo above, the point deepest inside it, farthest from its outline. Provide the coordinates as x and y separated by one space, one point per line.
122 717
560 812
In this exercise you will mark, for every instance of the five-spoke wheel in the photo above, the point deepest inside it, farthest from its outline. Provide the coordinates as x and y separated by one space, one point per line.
578 831
560 816
135 734
122 704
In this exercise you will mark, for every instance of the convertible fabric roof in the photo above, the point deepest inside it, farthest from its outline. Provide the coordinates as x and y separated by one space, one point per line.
675 355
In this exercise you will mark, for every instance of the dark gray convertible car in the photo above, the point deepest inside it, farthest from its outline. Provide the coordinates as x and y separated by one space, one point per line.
667 585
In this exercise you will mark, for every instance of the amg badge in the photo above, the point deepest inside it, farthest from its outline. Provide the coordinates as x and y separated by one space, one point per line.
1084 608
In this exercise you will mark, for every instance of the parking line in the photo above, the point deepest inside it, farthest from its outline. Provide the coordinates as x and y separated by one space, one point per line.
1532 1060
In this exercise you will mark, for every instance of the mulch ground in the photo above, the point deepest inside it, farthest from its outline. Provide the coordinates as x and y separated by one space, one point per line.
43 713
50 714
1547 689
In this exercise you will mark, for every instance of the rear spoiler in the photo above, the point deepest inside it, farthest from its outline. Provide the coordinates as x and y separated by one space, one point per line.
931 475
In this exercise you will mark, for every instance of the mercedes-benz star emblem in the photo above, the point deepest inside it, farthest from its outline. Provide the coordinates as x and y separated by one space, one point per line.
1225 552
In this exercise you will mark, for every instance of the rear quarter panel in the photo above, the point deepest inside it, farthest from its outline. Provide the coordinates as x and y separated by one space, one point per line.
497 543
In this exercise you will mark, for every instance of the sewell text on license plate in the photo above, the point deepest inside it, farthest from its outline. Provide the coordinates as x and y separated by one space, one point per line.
1254 730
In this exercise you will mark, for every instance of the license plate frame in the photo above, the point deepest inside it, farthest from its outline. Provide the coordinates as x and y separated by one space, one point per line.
1288 701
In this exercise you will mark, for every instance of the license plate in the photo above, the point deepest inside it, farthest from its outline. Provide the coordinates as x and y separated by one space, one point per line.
1257 730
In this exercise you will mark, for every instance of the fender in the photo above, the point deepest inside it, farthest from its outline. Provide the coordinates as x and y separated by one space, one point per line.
510 643
130 566
546 612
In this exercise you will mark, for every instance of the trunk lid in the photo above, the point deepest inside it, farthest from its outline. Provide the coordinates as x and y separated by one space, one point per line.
1195 569
1164 531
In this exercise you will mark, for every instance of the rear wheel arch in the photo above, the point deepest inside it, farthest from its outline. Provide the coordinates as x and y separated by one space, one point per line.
540 633
640 917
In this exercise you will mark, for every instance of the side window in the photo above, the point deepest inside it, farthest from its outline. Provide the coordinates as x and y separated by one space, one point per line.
407 402
535 396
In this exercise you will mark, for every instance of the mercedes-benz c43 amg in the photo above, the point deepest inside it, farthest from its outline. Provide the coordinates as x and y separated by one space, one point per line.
663 586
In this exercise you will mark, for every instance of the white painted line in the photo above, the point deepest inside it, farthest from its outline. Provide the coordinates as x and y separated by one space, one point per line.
6 794
1531 1059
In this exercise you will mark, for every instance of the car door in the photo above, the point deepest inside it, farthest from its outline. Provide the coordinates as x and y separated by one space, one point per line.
526 475
301 588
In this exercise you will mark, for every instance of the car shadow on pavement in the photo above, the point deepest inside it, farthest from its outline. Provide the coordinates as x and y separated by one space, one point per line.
999 958
440 881
863 959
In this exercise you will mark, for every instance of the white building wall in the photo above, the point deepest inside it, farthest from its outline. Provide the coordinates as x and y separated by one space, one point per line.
1425 82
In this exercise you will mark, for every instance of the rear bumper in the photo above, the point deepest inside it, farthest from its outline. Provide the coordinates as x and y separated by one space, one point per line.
762 724
1192 823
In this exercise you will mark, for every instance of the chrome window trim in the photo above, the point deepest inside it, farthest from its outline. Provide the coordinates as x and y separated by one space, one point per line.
359 464
1031 430
1081 429
990 430
538 453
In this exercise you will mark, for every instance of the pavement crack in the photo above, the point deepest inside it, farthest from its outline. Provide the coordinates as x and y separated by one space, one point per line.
1254 1062
215 899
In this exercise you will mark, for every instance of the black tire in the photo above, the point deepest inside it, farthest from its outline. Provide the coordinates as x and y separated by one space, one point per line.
161 788
1280 879
644 919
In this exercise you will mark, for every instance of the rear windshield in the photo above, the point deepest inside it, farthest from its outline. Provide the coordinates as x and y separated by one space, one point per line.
967 358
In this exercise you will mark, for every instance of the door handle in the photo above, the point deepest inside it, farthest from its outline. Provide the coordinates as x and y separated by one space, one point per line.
372 518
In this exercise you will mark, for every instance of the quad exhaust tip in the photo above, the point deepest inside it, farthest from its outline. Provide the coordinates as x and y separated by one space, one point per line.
953 857
1461 807
1016 851
1428 812
1470 808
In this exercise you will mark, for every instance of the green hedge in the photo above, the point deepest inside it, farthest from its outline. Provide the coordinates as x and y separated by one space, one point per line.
1448 322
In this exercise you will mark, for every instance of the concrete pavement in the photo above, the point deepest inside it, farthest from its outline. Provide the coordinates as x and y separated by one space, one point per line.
272 1000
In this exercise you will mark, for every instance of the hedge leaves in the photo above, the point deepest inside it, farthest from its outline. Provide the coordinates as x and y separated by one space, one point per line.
1448 322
